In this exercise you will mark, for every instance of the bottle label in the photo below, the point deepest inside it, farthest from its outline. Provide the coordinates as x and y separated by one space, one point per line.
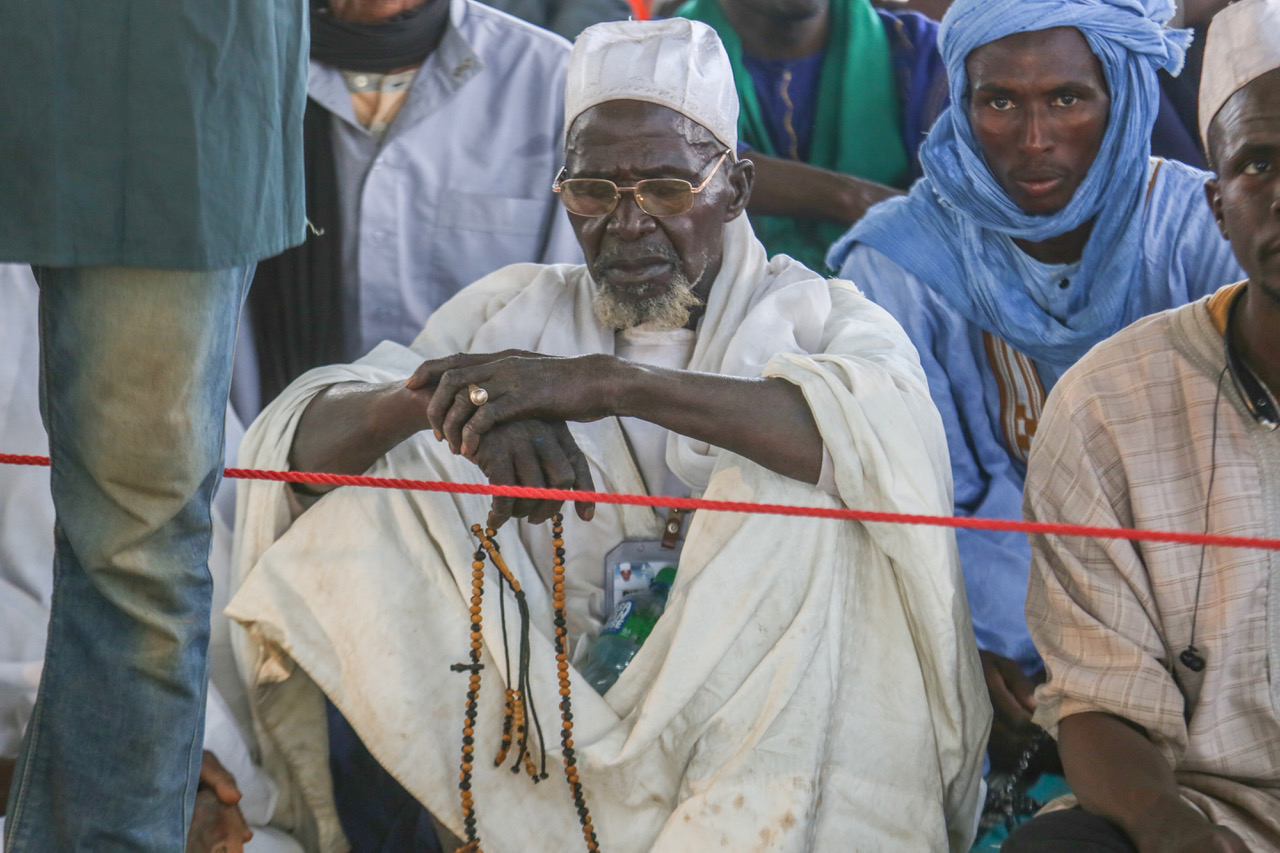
619 617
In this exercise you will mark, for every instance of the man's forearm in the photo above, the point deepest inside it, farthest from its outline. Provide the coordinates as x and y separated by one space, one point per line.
349 426
1118 773
791 188
766 420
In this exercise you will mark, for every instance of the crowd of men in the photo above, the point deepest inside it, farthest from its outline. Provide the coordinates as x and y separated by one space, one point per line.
821 253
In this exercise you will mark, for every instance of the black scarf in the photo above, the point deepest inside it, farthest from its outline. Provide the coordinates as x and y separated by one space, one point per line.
297 298
403 41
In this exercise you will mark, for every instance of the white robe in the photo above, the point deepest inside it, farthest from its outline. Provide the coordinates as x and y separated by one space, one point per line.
813 685
26 569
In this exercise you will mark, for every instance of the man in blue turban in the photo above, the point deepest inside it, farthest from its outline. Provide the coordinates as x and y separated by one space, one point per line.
1041 227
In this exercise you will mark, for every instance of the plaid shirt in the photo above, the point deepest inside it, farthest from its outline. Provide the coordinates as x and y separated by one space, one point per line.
1127 441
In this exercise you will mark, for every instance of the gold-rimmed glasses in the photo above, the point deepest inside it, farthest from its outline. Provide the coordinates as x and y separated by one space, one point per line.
594 197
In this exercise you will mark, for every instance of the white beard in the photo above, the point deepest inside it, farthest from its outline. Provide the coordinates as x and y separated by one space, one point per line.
662 313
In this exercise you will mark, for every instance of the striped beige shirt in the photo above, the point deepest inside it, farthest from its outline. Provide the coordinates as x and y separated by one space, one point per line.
1127 441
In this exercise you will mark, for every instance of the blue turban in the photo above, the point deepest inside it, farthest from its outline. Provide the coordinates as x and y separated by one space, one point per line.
952 231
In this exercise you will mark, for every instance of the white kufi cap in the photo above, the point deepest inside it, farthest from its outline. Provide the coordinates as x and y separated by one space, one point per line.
1242 45
676 63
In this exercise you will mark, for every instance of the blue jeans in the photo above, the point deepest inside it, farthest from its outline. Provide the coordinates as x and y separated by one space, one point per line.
134 373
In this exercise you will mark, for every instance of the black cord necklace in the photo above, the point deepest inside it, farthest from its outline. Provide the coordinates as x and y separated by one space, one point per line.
1191 657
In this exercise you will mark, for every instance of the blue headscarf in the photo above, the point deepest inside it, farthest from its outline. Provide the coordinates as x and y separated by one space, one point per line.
952 230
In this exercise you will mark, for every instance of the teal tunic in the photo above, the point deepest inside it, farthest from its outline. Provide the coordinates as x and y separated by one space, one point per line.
154 133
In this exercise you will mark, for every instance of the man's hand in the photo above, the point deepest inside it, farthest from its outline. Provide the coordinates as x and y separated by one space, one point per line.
538 454
1013 700
217 826
766 420
519 385
1012 693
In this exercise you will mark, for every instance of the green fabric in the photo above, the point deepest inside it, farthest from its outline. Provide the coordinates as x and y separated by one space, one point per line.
151 133
858 124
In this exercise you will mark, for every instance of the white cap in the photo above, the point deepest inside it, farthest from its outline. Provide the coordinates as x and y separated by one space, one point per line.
1242 45
676 63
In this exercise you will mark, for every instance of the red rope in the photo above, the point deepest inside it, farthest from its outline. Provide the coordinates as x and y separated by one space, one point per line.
729 506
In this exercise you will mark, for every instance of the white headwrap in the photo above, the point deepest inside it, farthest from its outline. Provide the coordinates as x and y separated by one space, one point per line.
1243 44
676 63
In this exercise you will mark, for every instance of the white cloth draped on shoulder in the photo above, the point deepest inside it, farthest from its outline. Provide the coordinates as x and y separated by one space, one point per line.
813 685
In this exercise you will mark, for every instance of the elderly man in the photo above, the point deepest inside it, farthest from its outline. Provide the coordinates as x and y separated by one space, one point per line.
1040 228
1162 658
432 130
811 685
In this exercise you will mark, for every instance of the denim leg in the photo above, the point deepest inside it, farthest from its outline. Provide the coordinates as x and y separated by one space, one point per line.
135 369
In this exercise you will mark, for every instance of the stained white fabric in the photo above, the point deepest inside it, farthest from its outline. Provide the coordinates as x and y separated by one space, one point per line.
26 570
675 63
1242 45
813 685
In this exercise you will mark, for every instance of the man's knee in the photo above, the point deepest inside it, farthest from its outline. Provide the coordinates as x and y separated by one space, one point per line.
1070 831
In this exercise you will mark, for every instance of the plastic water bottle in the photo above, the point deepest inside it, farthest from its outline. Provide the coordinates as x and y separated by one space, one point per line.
628 627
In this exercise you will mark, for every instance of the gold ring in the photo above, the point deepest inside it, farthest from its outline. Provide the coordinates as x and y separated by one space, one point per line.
479 396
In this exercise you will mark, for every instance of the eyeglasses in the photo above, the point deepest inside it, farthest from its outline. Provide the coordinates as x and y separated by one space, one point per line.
595 197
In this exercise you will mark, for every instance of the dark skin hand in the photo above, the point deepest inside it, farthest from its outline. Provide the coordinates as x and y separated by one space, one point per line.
217 826
351 425
766 420
1244 146
1013 701
1039 107
637 256
1012 693
1118 773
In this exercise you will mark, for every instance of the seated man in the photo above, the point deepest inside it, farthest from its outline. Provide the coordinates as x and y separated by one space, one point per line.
228 808
1162 657
836 98
432 129
1040 228
812 683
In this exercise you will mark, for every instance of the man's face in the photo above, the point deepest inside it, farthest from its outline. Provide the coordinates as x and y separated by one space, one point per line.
1244 144
641 263
1038 107
784 11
